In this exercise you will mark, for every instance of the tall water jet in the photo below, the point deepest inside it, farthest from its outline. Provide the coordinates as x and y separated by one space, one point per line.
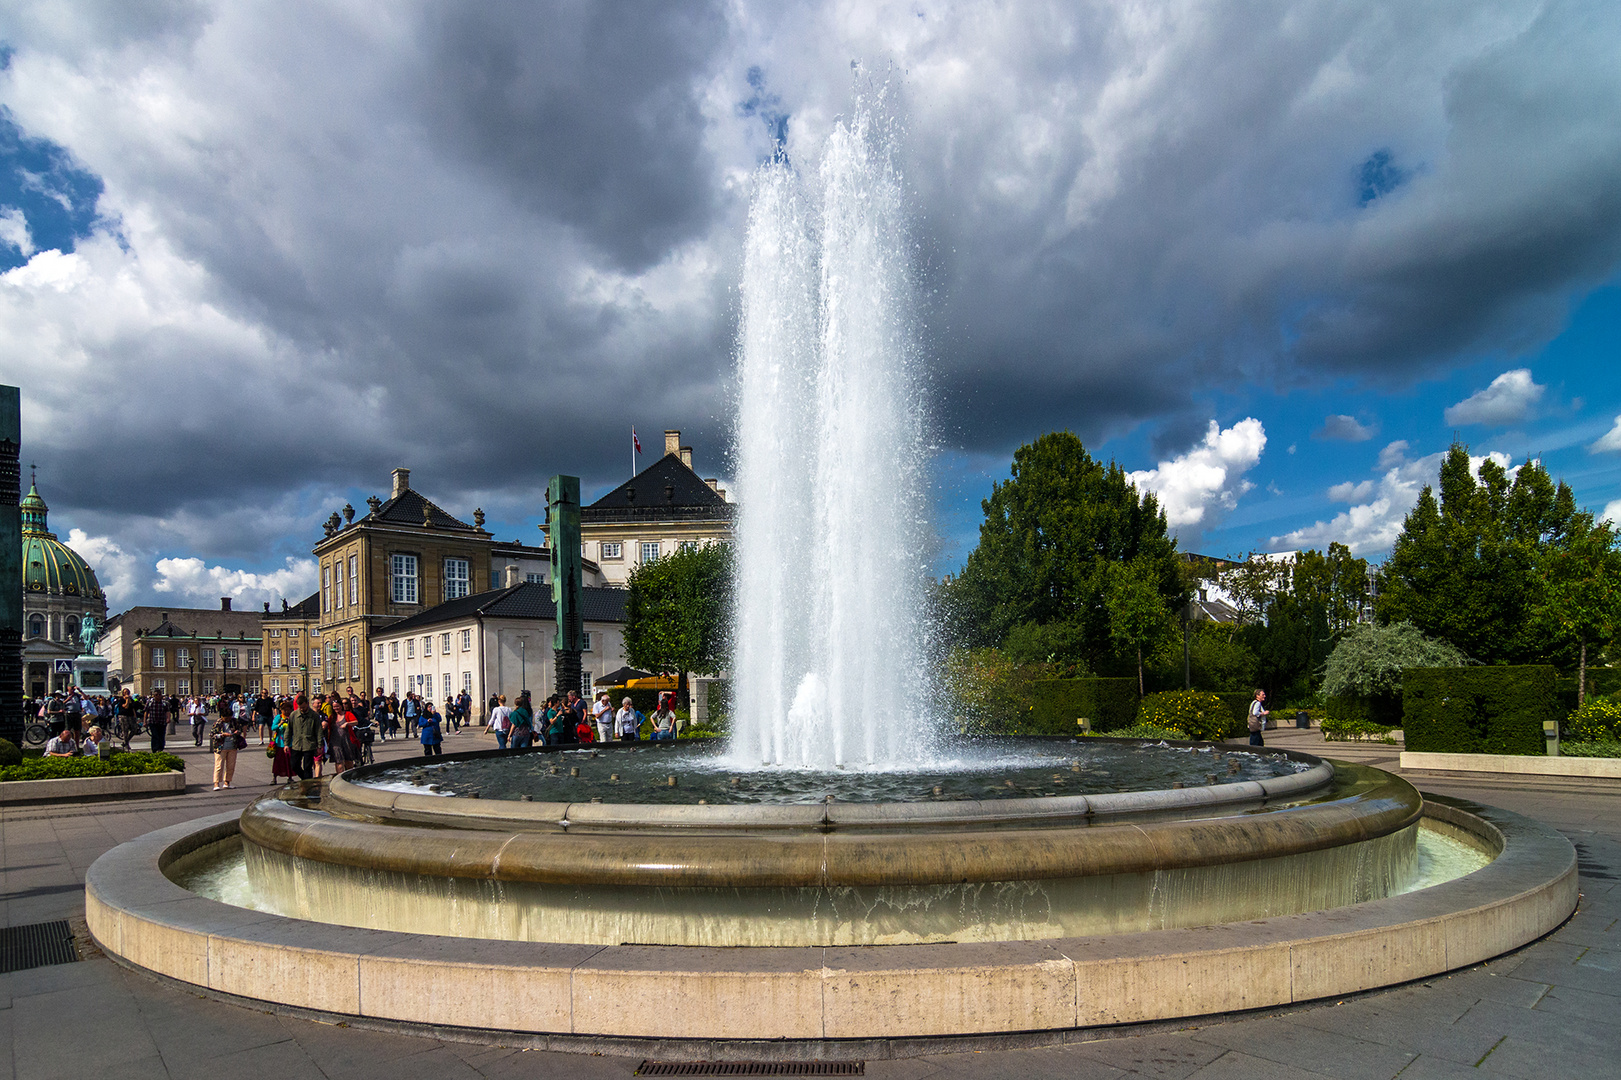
829 641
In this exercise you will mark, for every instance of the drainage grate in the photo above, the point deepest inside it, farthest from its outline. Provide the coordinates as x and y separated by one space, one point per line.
36 945
752 1068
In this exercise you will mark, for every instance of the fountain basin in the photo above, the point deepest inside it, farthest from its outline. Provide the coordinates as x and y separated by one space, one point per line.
853 1002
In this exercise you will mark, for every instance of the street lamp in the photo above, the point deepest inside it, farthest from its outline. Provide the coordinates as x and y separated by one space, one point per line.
523 664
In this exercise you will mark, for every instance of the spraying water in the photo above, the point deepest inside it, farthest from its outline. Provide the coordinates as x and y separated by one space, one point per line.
828 648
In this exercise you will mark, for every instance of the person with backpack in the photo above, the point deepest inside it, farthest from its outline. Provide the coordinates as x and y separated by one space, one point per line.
429 732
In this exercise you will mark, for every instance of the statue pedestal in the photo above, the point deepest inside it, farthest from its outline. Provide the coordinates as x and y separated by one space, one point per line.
90 674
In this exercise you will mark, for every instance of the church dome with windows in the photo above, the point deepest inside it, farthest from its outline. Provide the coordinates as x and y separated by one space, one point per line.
50 567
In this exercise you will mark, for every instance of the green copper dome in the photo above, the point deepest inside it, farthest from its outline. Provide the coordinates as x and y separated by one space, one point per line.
50 567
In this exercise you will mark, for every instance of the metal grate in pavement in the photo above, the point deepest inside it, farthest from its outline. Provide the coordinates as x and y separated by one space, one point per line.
36 945
752 1068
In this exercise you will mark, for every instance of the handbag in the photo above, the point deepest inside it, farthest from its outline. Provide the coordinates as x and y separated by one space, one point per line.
241 741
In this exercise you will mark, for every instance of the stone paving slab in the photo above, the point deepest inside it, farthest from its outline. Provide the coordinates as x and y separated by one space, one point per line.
1548 1010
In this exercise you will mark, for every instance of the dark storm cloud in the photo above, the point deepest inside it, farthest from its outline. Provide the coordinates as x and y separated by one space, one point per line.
484 240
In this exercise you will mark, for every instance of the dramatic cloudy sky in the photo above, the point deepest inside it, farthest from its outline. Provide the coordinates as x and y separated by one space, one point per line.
1272 257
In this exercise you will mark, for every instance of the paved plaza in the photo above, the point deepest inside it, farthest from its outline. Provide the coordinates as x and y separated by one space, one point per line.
1548 1010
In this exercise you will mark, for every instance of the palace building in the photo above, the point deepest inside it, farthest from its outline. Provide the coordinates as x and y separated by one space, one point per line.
661 509
59 592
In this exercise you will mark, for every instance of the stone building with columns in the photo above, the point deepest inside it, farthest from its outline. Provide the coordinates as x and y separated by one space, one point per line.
60 591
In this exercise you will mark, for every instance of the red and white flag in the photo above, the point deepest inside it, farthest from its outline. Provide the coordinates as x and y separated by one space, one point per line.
634 441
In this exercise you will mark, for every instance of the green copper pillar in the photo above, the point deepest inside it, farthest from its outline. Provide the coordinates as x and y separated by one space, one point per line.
563 536
11 565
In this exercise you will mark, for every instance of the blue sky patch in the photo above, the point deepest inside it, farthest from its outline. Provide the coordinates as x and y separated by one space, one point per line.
55 197
1378 176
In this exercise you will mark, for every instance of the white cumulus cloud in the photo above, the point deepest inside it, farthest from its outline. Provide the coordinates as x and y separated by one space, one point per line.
1380 506
1209 477
1611 512
194 581
1610 441
118 570
1507 400
14 231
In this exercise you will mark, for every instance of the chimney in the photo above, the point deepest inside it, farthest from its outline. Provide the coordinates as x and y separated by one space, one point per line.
225 603
713 482
686 456
672 442
402 482
509 576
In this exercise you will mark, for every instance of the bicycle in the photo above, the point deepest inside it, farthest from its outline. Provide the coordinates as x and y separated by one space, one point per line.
37 733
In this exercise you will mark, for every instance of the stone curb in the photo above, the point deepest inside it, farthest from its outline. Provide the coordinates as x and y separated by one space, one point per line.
1514 765
91 787
818 994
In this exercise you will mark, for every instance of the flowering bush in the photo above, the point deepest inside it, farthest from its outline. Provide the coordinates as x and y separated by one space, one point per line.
1598 720
1197 714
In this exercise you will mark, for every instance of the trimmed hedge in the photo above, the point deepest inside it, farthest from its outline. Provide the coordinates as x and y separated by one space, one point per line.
1144 731
1608 748
1351 730
1239 705
1055 705
68 768
1198 714
1381 710
1498 709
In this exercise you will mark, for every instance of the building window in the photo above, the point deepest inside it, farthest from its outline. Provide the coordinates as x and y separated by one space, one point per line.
396 684
456 579
379 654
326 588
410 648
228 659
275 686
354 658
535 579
337 571
404 573
585 640
467 640
294 632
36 626
447 684
182 658
275 658
208 686
183 687
394 651
615 550
253 658
427 645
292 685
73 627
275 633
444 644
467 682
159 686
650 551
292 657
354 579
158 658
208 658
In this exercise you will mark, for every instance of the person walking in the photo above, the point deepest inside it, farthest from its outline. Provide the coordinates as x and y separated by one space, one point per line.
379 713
429 732
304 738
1258 715
500 722
603 712
264 711
157 720
281 758
225 740
521 723
412 711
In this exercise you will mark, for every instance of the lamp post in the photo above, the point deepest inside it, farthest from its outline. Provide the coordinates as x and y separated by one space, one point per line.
523 665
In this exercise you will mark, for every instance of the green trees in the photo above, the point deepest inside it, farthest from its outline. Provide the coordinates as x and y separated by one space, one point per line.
678 612
1468 568
1369 659
1040 579
1581 590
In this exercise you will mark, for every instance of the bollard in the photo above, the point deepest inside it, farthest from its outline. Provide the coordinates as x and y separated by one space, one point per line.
1550 733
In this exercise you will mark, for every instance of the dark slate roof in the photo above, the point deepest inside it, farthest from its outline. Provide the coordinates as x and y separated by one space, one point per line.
307 608
167 628
530 600
406 509
666 489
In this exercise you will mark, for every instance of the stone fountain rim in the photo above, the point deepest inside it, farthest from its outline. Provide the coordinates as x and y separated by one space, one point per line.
347 796
865 1001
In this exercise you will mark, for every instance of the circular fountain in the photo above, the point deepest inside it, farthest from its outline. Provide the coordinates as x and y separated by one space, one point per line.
839 871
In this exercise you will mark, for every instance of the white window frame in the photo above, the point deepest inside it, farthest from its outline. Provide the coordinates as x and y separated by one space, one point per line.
160 658
644 547
427 645
611 549
585 641
394 651
228 660
253 659
458 578
326 587
467 641
410 648
354 579
404 579
182 658
447 684
338 568
444 644
159 686
208 686
292 658
275 685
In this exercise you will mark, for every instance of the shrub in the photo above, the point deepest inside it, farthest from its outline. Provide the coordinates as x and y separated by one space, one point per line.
9 753
1381 710
1498 709
1341 730
1144 731
1369 659
1597 721
1600 748
988 691
1055 705
1238 705
66 768
1202 715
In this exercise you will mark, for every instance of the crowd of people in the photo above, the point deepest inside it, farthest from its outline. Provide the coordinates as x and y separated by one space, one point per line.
303 735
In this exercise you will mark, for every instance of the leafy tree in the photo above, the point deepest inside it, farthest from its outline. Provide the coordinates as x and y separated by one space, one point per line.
1139 619
988 690
1050 534
1581 596
1217 660
1369 659
1466 568
678 612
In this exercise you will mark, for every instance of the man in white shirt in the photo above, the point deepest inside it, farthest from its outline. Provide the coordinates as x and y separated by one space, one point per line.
603 713
501 721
